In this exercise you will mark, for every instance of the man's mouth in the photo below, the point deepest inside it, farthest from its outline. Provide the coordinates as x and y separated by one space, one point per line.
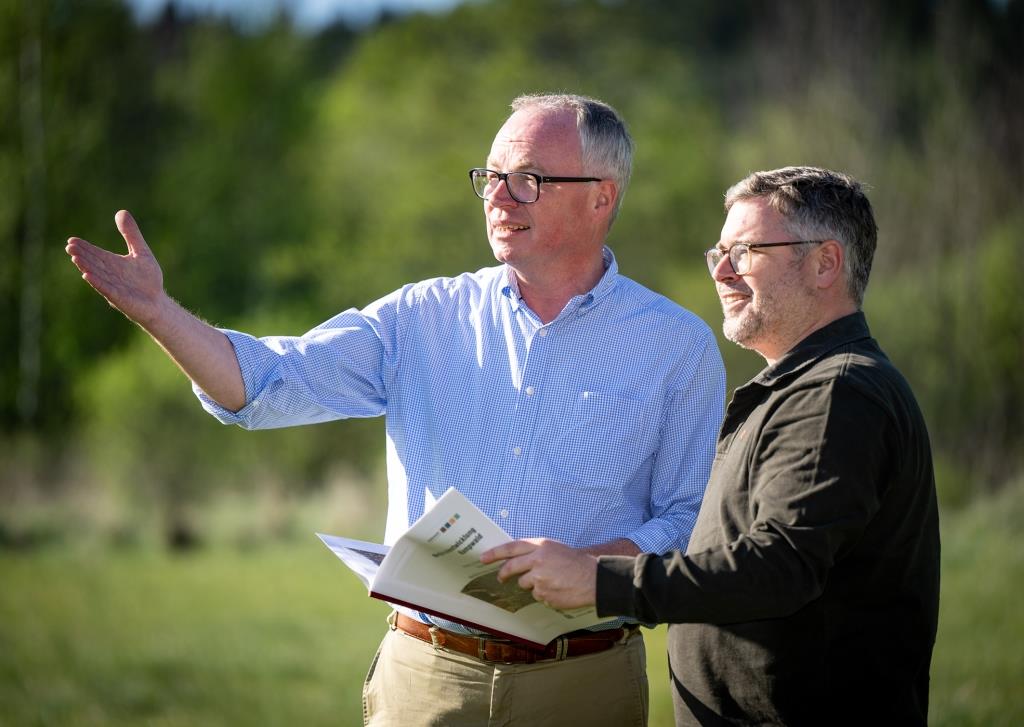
733 298
509 227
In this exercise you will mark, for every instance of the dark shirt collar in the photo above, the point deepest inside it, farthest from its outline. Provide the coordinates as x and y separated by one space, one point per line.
850 328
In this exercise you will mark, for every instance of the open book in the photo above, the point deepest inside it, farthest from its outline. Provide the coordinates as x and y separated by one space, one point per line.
435 568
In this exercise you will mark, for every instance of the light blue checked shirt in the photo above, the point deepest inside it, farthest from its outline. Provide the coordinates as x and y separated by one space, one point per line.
598 425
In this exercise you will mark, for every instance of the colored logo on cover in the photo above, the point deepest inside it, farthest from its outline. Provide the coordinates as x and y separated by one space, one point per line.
451 521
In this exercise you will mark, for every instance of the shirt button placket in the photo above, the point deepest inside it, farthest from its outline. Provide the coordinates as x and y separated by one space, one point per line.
521 435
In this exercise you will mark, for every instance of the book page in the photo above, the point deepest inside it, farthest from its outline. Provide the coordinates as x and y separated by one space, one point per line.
363 558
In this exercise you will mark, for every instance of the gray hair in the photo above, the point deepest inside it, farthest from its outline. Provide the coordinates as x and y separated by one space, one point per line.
819 204
605 142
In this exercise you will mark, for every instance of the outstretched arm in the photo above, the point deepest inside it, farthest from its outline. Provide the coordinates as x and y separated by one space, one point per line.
134 284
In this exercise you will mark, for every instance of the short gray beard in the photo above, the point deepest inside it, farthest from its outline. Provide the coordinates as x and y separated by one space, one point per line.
744 328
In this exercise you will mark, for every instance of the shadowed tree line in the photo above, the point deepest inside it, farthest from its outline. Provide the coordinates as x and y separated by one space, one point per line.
282 176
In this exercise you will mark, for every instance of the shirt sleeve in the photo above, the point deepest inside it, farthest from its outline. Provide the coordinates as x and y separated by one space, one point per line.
817 480
335 371
689 430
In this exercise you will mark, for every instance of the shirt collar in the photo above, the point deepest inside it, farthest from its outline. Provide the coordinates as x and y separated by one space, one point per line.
850 328
584 301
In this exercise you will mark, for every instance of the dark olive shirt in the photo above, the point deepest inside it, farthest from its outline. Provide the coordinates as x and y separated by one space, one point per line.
809 592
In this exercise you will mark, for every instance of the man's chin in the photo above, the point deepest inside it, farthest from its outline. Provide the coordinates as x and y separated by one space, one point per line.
739 331
502 253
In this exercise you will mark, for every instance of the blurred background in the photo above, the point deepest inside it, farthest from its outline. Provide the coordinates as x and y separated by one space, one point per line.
287 160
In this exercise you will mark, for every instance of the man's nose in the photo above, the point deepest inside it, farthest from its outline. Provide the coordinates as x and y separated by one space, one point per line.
723 271
501 197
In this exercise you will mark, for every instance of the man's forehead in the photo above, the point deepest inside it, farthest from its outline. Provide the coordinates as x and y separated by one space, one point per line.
520 153
751 220
531 135
530 123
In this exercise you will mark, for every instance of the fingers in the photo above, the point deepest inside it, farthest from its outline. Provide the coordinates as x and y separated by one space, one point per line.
129 230
557 575
508 550
86 256
78 245
84 251
517 566
92 263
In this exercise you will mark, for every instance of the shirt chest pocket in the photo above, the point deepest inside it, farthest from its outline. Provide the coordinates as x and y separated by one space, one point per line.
602 440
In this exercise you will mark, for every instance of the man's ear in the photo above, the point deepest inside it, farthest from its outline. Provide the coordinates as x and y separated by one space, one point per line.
828 261
607 193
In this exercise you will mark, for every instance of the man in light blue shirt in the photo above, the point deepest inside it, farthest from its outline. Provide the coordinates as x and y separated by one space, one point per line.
562 398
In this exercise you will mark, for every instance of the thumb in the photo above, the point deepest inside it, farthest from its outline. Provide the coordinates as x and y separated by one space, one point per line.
129 230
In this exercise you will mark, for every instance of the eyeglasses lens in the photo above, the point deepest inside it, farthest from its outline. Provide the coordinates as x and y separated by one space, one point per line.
522 187
713 256
484 183
739 258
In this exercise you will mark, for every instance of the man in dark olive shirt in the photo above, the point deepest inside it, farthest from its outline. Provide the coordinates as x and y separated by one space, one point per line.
809 592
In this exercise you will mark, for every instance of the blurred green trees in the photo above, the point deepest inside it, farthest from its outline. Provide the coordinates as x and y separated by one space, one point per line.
281 177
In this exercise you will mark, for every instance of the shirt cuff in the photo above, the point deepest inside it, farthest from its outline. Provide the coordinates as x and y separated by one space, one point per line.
660 536
258 364
615 584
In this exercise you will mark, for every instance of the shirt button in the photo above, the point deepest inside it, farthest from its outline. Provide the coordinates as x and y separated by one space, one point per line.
529 391
503 513
517 451
543 332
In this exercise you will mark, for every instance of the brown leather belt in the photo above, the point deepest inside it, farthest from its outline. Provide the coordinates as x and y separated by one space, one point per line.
502 651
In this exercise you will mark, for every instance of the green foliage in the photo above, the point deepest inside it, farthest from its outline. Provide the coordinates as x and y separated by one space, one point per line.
93 131
965 359
230 191
152 448
281 177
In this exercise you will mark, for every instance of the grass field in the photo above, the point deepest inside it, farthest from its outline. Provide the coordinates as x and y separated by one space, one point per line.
283 635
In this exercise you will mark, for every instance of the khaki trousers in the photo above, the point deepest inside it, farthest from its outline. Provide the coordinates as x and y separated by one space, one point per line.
410 683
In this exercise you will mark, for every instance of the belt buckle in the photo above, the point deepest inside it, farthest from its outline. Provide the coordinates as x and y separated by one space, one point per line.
501 651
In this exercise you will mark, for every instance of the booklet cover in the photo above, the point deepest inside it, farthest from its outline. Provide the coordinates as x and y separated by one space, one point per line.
435 567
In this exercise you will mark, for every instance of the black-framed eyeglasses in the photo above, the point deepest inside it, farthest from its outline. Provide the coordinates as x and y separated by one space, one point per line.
524 187
739 254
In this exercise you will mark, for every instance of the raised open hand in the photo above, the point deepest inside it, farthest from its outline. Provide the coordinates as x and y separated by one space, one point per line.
132 283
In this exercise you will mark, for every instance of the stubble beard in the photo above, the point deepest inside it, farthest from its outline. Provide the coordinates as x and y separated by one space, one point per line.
769 318
744 328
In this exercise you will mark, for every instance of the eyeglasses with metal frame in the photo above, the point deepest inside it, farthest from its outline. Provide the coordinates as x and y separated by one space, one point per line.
739 254
523 187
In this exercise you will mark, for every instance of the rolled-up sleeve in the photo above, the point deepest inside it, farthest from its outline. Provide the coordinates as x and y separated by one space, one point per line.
335 371
693 415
